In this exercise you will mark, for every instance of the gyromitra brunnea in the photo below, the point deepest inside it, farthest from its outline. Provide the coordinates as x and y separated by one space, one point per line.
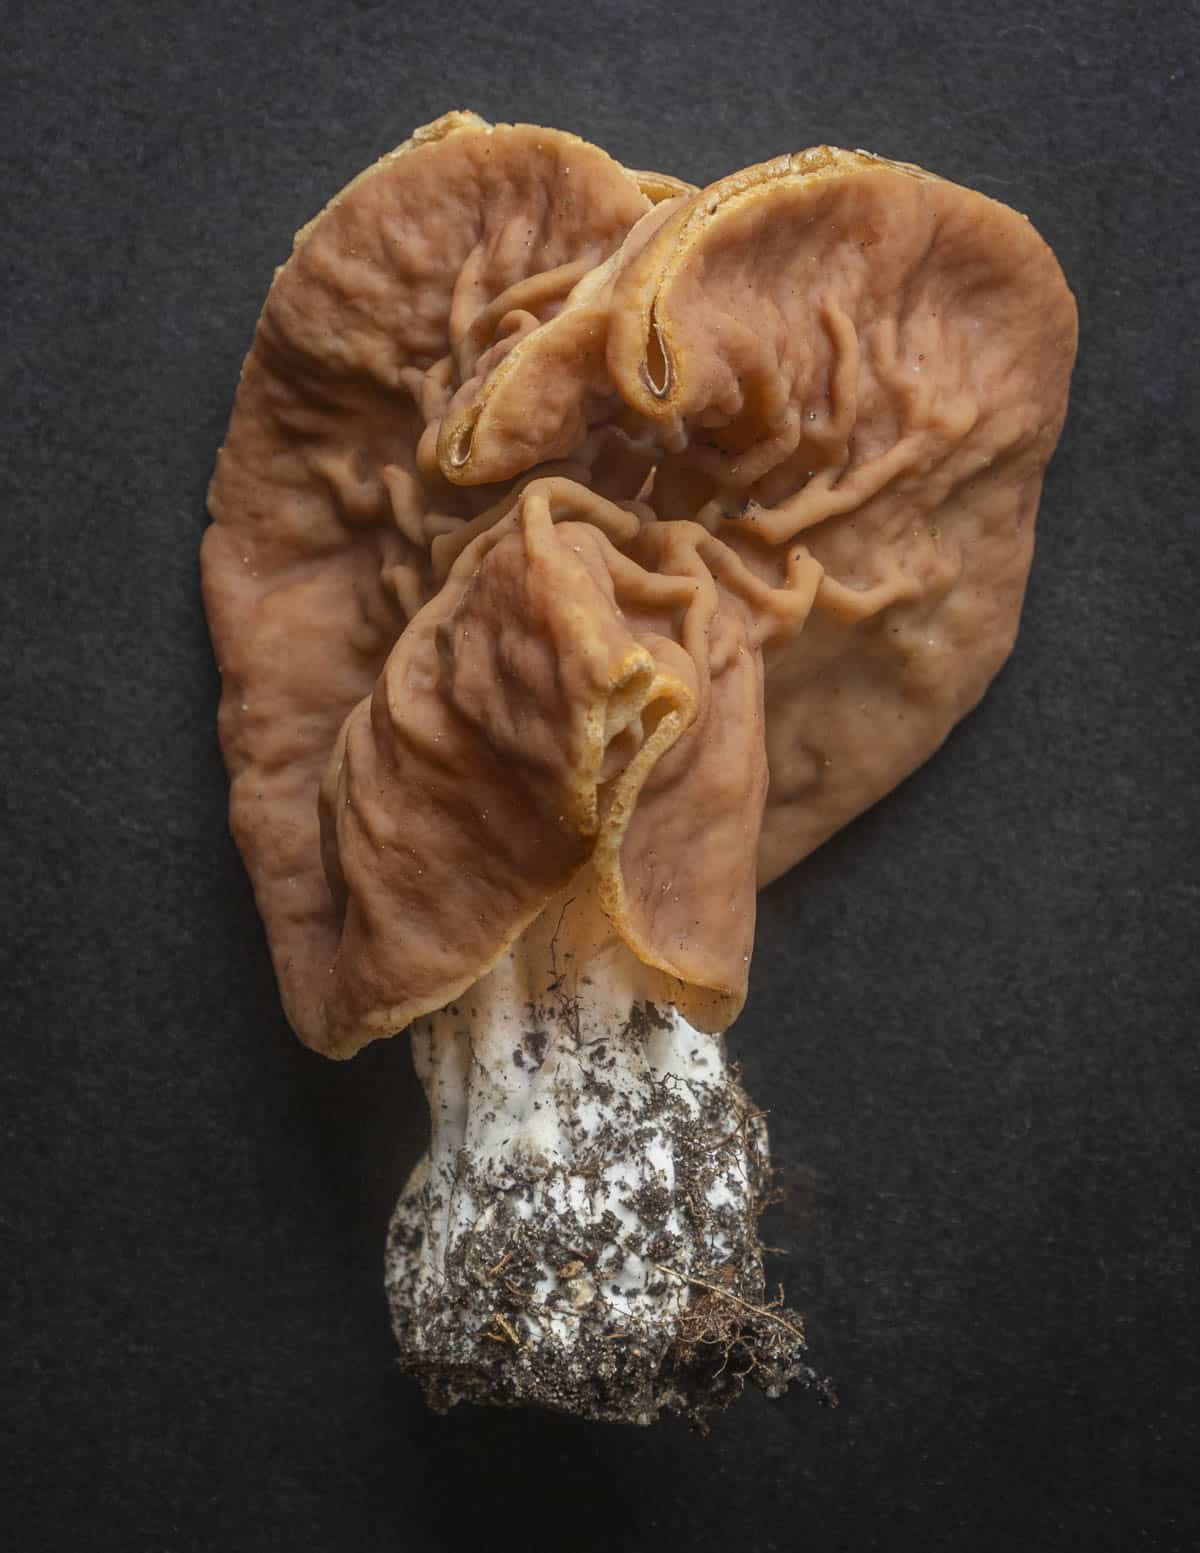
586 549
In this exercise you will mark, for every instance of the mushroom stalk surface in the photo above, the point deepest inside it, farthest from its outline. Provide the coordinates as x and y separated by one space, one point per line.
582 1232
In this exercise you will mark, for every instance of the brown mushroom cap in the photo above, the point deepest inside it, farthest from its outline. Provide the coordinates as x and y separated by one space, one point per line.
621 454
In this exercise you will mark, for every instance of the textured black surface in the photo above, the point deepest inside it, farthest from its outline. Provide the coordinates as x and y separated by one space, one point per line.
974 1015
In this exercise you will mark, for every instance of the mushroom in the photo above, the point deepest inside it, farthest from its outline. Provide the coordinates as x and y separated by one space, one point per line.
586 549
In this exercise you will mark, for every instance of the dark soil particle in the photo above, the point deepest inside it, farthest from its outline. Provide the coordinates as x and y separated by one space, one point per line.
487 1331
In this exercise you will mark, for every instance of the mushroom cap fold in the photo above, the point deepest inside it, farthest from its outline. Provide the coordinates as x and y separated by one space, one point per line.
872 364
534 715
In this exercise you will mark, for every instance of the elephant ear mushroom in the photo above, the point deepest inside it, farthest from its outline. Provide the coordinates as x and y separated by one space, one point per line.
586 549
327 494
866 363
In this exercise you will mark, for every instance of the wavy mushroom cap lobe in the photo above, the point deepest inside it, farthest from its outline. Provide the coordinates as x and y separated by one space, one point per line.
871 364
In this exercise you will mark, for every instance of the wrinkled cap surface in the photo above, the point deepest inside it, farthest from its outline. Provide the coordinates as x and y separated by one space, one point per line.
871 364
572 514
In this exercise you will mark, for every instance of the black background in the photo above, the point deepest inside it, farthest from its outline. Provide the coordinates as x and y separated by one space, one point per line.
973 1015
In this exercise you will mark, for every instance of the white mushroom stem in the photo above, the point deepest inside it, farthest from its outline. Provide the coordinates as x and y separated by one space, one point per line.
581 1233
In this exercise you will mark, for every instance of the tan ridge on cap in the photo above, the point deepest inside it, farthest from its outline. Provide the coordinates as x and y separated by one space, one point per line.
636 333
661 186
531 403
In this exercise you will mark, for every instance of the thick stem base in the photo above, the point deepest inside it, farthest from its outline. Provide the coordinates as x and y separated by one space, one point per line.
582 1233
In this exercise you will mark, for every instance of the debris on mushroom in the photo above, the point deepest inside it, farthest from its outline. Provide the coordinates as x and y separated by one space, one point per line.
587 548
